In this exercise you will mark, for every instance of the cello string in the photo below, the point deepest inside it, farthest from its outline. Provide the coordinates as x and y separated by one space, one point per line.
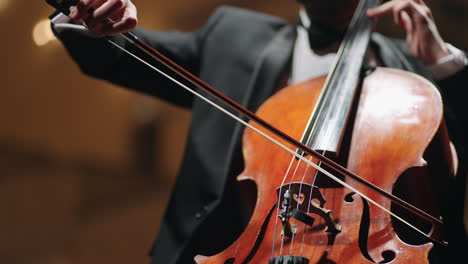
279 204
333 177
314 178
280 192
279 198
309 202
279 201
318 108
314 126
298 164
298 204
299 197
292 198
278 208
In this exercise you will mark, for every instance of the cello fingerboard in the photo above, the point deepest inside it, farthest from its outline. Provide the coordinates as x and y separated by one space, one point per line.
327 123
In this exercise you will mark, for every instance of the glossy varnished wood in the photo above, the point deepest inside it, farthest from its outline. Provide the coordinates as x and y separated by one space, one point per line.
394 124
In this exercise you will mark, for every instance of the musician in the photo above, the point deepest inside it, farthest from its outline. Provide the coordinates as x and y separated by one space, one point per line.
248 56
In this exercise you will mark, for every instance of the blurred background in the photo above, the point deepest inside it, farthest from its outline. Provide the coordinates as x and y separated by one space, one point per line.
86 168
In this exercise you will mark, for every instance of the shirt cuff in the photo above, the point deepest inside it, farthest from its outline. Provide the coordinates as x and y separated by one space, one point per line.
61 23
450 64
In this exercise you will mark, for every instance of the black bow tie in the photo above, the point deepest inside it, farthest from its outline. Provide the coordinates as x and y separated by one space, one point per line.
322 36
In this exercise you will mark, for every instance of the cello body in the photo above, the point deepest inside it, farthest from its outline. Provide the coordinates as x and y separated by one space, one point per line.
396 139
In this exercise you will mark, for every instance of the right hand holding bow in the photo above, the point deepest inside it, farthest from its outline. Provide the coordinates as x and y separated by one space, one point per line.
106 17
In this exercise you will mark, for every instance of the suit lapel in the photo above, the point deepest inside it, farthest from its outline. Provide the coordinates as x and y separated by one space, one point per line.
270 67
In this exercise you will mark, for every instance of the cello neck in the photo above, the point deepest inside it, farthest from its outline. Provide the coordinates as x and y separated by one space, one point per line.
326 125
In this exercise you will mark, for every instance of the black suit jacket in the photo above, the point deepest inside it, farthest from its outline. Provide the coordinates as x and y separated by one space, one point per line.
242 54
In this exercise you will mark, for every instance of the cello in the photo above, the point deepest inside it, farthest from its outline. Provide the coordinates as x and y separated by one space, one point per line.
293 217
391 133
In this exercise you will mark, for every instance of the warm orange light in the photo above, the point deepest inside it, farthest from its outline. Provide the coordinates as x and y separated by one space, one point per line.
42 34
4 4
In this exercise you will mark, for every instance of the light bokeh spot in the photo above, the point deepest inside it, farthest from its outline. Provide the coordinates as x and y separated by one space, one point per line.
4 4
42 33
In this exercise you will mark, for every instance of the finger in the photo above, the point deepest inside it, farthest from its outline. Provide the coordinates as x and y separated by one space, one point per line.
109 8
113 17
73 12
117 15
402 6
98 28
382 9
127 23
421 7
80 9
109 29
418 13
407 25
84 8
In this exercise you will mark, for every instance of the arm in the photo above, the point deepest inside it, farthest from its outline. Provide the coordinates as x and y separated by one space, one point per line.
455 95
447 64
98 58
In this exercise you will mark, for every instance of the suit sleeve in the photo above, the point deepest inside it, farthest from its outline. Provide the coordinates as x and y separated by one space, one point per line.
99 59
455 94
